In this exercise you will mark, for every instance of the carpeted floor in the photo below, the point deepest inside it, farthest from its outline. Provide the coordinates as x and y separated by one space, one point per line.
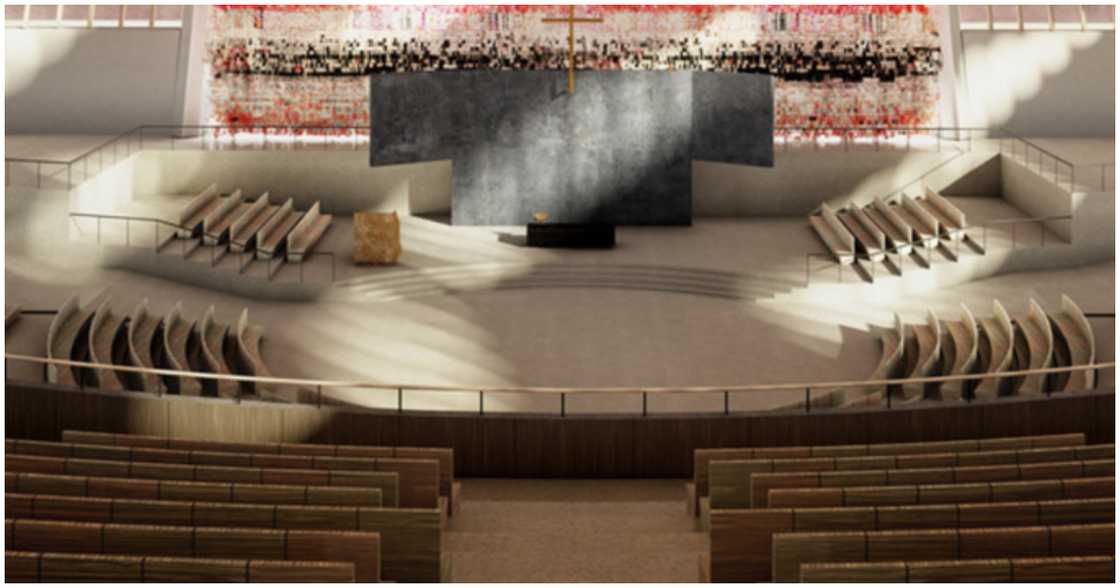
574 531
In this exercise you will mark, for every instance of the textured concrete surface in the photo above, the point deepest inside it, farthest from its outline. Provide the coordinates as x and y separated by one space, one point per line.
574 531
619 150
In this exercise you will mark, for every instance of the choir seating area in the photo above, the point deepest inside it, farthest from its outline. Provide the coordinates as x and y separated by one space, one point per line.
98 333
892 229
1024 509
103 506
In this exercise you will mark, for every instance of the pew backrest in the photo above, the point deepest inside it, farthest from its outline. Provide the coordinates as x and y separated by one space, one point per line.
197 203
1098 568
1054 489
27 566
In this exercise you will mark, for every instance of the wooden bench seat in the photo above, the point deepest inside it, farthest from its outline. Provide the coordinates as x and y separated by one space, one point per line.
418 479
1099 568
177 334
950 219
702 457
141 331
63 333
213 337
387 482
762 483
840 243
362 549
275 230
960 351
307 233
237 492
927 354
868 237
920 222
410 537
1051 489
792 550
1035 327
741 538
1078 335
900 237
103 331
229 209
444 456
999 351
243 230
731 480
37 566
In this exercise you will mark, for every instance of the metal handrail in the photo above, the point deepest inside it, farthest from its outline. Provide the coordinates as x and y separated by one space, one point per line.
365 384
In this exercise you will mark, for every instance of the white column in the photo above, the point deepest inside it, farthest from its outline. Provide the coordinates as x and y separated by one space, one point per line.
951 79
190 67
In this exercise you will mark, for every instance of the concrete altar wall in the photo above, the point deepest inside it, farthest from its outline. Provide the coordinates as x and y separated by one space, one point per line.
619 150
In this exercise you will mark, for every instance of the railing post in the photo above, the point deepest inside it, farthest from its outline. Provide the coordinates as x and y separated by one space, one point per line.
319 402
481 408
563 404
726 402
807 401
645 410
400 400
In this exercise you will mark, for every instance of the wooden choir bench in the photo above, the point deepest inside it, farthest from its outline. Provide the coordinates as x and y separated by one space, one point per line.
103 330
273 232
1094 568
741 538
229 209
243 230
1055 489
28 566
195 210
307 233
839 241
362 549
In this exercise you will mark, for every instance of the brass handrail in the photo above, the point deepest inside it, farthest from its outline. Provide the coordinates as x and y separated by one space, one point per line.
801 386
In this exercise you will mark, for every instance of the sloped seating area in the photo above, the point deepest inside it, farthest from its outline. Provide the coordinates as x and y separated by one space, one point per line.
142 339
947 511
375 511
882 230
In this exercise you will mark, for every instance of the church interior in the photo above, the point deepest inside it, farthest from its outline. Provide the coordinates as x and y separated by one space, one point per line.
560 293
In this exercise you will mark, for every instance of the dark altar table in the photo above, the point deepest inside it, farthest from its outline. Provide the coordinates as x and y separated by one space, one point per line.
574 235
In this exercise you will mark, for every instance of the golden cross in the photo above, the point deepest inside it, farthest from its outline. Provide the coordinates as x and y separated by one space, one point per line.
571 20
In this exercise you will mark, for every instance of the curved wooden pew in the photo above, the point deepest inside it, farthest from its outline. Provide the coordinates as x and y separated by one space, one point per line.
1052 489
387 482
1078 335
418 479
927 354
1095 568
177 332
762 483
359 548
248 339
213 337
899 235
741 538
37 566
840 243
1035 327
892 344
701 458
243 230
444 456
960 350
791 550
103 332
410 537
307 232
1000 336
274 231
62 334
142 328
732 480
197 209
868 237
109 487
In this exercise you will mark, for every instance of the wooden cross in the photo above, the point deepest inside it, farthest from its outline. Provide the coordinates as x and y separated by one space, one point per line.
571 20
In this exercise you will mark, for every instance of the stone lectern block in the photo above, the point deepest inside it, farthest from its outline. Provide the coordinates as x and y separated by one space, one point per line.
377 237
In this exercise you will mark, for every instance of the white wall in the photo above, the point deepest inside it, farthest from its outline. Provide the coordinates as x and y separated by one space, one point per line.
63 80
1038 84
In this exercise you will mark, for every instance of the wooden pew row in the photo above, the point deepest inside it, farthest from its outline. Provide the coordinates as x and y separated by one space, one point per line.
178 332
951 220
1000 350
702 457
103 330
740 539
212 335
229 209
927 354
448 487
63 333
273 232
731 479
1094 568
961 351
359 548
93 486
761 484
1035 327
791 550
307 232
243 230
1055 489
142 328
196 209
840 243
387 482
31 566
410 538
1078 334
418 478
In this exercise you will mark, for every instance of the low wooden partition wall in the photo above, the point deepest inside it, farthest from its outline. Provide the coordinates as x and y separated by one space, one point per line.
545 446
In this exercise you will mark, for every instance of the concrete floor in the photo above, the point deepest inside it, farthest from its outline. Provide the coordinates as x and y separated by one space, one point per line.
574 531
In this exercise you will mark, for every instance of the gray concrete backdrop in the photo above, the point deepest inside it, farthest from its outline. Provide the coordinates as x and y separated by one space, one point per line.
618 150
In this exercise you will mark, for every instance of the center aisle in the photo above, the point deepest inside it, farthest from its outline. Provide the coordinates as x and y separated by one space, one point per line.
574 531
